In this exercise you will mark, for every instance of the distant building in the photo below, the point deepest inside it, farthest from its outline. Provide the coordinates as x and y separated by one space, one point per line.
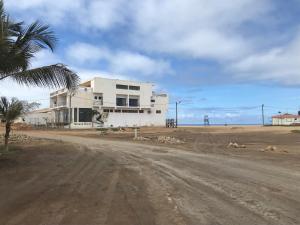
286 119
102 102
39 117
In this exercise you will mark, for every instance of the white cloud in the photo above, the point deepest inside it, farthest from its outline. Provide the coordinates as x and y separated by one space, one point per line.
93 14
196 28
118 61
191 28
83 53
280 64
129 62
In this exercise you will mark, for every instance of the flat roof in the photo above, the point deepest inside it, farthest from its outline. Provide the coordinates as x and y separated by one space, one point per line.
286 116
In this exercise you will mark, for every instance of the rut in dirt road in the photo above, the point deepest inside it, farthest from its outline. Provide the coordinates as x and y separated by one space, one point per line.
127 183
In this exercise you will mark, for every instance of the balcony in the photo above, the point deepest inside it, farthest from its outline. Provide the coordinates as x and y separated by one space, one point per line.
58 105
98 103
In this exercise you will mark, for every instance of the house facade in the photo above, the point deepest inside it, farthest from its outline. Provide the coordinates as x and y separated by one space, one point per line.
102 102
286 120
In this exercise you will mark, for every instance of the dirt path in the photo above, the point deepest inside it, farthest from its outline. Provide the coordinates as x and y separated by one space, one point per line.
127 183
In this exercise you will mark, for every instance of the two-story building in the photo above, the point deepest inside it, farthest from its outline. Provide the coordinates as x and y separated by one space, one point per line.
102 102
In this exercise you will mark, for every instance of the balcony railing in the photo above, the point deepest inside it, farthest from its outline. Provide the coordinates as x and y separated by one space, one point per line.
60 104
98 102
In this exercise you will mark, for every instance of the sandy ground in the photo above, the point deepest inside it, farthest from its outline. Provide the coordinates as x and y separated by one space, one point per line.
93 178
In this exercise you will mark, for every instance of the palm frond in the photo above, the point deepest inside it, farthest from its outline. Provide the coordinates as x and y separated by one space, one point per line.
52 76
18 45
38 36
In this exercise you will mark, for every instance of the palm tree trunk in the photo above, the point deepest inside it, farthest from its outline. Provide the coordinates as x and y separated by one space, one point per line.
6 136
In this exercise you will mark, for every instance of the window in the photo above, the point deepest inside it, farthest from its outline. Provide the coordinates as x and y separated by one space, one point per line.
85 115
117 111
105 110
99 97
152 100
129 111
121 101
141 111
111 110
95 97
75 115
135 88
158 111
122 86
133 102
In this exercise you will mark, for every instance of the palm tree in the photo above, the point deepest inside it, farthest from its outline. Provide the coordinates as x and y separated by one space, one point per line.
11 110
19 44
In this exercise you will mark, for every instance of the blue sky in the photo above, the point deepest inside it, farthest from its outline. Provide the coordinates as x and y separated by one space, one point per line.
222 58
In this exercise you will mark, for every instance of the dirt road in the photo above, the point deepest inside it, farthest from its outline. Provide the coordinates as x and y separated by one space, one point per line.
111 182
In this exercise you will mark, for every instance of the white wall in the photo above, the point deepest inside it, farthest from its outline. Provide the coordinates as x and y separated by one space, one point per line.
284 121
108 88
38 118
135 119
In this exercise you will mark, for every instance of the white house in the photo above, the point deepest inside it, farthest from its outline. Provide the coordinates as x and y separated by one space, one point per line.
39 117
286 120
102 102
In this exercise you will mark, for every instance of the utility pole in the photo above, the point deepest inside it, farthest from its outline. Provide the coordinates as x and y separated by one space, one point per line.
263 114
177 112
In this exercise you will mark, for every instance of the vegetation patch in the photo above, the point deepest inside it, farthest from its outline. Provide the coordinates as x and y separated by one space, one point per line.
295 131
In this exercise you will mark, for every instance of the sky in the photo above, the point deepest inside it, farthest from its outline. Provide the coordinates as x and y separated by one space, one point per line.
221 58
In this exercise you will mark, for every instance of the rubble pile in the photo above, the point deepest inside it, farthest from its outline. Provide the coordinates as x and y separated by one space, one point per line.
169 140
16 138
140 138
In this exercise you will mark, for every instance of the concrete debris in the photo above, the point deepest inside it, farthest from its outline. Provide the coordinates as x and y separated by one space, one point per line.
169 140
271 148
140 138
16 138
235 145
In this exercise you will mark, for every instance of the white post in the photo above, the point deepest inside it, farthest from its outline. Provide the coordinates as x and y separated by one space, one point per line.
135 133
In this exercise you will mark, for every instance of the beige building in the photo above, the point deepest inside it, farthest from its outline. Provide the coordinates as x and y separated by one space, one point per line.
286 120
102 102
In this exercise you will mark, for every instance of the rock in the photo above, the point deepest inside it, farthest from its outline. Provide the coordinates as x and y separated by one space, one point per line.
271 148
235 145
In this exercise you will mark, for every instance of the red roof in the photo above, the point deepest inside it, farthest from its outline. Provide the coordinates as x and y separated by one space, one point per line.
286 116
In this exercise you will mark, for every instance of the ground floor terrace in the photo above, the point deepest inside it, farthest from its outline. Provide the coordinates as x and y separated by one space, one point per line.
107 117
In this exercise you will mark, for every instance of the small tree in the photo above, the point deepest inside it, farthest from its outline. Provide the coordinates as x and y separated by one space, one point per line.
11 110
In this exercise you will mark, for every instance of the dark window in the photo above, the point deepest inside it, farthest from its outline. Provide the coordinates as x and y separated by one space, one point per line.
99 97
75 114
135 88
158 111
85 115
117 110
133 102
71 113
95 97
121 86
129 111
111 110
121 101
106 110
141 111
152 100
